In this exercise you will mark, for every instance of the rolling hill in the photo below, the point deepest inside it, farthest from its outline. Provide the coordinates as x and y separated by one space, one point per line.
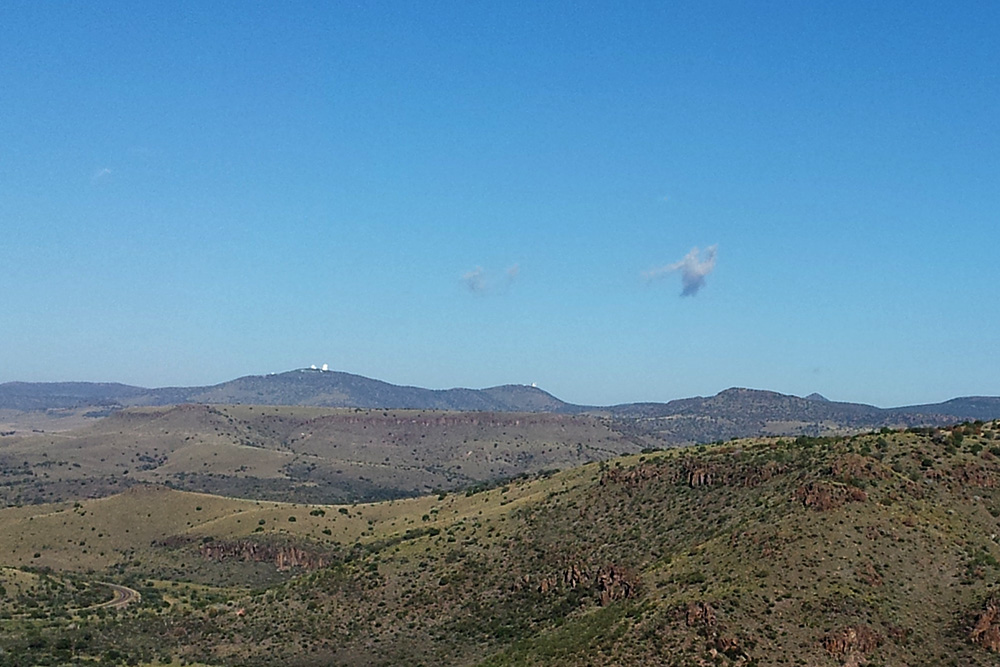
870 549
297 453
738 413
732 413
302 387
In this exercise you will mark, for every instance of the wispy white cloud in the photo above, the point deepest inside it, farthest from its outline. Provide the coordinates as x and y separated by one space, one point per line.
694 267
100 175
479 281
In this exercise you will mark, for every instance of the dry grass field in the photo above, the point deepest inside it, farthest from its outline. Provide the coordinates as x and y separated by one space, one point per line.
295 453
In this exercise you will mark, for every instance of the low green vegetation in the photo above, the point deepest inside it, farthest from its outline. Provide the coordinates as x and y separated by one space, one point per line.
878 548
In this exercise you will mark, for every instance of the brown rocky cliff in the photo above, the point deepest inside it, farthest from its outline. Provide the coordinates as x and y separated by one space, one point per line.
283 557
822 496
986 632
616 583
610 582
852 644
701 614
695 472
703 619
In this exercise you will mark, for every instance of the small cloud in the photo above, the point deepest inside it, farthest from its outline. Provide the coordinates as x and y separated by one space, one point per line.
479 281
693 267
100 175
475 280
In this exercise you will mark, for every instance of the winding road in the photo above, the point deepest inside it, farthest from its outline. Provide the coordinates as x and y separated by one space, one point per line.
124 596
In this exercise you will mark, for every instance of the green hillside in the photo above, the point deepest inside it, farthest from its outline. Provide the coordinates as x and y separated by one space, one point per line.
878 549
297 453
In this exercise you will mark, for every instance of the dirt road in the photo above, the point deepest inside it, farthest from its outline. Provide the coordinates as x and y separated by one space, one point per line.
124 596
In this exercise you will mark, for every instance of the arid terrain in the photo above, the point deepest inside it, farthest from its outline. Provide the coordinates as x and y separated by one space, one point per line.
298 453
877 548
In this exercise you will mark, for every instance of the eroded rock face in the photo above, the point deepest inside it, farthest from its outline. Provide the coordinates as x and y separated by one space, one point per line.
695 473
616 583
852 644
986 632
703 619
701 614
610 582
823 496
283 557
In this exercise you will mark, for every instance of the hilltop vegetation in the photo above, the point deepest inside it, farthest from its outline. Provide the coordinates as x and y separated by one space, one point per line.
879 548
297 454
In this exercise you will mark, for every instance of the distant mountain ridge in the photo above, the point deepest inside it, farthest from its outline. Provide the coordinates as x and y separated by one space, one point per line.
735 412
302 387
60 395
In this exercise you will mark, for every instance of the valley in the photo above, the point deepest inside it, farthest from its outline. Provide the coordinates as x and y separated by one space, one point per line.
297 453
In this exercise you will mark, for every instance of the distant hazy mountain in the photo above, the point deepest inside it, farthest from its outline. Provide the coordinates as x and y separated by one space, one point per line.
754 404
736 413
57 395
732 413
306 387
968 408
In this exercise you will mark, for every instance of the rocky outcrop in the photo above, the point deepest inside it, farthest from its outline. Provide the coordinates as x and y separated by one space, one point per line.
701 614
284 557
695 473
610 582
574 576
823 496
852 644
986 632
616 583
703 619
701 476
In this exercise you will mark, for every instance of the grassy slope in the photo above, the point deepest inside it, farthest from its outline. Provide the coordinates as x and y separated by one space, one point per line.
289 453
757 552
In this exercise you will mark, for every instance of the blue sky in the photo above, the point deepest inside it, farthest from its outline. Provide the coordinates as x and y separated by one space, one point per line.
476 193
